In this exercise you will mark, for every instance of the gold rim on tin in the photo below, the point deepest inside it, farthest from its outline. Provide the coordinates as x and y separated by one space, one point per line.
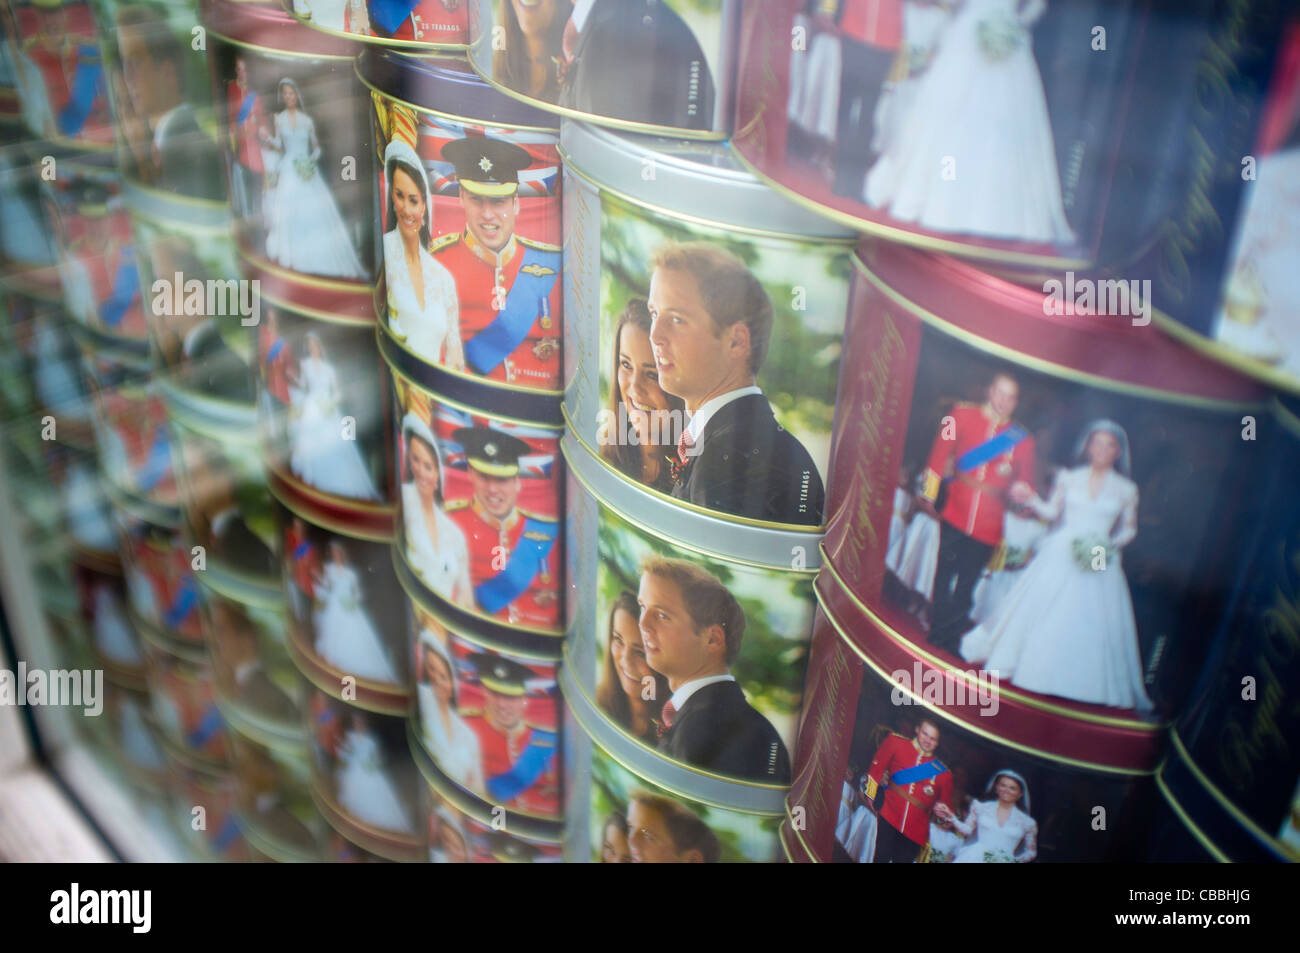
276 850
948 668
329 317
275 51
391 845
390 340
258 730
965 725
1192 827
311 281
234 589
798 834
385 698
1230 357
1044 366
439 397
325 521
443 114
571 430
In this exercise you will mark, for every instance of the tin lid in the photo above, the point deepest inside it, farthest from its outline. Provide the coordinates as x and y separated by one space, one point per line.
222 420
699 180
353 519
448 86
271 27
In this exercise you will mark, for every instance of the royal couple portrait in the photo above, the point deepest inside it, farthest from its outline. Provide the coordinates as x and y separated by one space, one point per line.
484 301
483 553
653 829
932 112
370 769
1026 584
421 21
277 187
305 409
666 677
900 810
686 360
636 60
492 751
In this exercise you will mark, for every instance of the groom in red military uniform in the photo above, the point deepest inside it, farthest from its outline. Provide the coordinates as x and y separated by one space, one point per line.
915 783
519 759
979 461
248 126
508 286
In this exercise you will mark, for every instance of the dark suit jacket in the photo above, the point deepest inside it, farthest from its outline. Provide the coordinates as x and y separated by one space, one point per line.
638 60
746 464
191 161
718 730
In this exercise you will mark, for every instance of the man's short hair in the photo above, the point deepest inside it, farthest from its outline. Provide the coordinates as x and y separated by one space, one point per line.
707 599
729 290
684 827
151 26
931 722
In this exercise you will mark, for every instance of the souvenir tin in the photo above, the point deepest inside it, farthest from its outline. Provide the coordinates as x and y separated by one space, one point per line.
52 364
343 851
224 495
156 72
132 738
622 807
1049 498
256 682
296 138
322 409
83 503
183 693
273 796
469 197
204 809
487 486
487 717
59 72
638 64
29 465
1171 839
115 635
885 773
413 25
25 241
1231 772
459 833
347 633
363 778
676 229
159 567
641 572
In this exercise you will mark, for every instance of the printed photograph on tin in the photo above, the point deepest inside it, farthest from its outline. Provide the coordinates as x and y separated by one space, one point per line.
321 405
701 659
488 719
250 663
103 600
159 88
719 357
214 791
297 158
75 478
441 22
198 336
345 604
134 736
471 246
130 425
273 794
480 510
987 122
363 765
455 837
184 704
638 61
38 334
159 578
635 822
58 71
1054 531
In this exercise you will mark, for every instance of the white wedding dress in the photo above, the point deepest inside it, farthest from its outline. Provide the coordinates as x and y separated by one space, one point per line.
345 636
113 635
1020 534
304 230
445 569
988 842
855 828
431 332
319 453
986 118
83 502
456 751
1064 628
365 790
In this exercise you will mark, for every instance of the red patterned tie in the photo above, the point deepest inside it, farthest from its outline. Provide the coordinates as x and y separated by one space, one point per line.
685 444
666 718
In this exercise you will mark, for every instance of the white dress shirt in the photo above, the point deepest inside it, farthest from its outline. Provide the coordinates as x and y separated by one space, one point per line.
700 419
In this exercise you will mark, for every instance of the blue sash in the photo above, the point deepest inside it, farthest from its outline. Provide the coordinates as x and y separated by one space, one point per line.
160 458
523 774
87 83
126 285
186 599
389 14
920 772
529 295
496 593
991 448
208 728
275 350
227 836
246 106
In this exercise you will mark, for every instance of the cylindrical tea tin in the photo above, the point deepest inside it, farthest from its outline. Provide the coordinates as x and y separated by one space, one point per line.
273 793
414 25
460 833
487 718
480 502
294 127
158 566
115 635
183 691
363 778
705 314
885 774
622 807
1045 497
26 241
346 624
132 738
661 67
83 499
51 362
204 808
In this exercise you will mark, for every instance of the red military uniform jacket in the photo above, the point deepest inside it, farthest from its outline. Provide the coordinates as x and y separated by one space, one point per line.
910 819
276 369
244 143
483 534
306 565
876 23
478 273
500 753
976 499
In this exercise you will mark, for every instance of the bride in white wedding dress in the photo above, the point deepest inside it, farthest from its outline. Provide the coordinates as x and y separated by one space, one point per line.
1066 627
345 636
998 829
364 788
320 454
304 230
979 109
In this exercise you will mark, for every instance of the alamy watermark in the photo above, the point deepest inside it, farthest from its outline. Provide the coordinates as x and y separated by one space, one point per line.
1118 297
80 688
932 686
661 428
208 298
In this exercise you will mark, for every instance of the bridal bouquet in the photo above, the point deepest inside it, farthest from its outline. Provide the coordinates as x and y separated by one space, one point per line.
1084 550
999 36
998 857
305 167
